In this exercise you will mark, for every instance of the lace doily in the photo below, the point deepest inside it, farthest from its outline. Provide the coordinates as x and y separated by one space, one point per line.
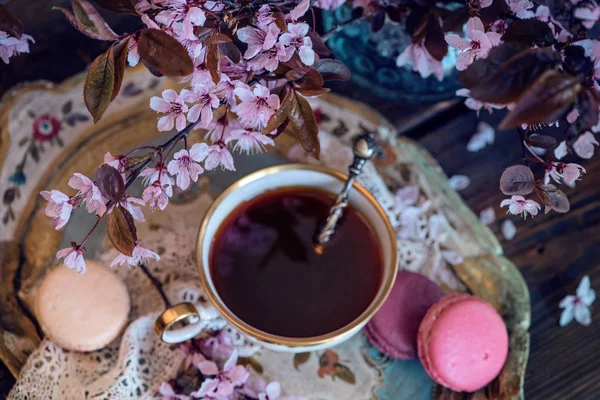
133 366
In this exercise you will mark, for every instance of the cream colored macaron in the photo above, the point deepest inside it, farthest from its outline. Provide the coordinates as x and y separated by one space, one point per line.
82 312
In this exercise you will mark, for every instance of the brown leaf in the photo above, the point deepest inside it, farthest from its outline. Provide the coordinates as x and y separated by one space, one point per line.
332 70
282 113
163 52
300 358
344 373
121 230
506 83
212 62
252 362
120 54
99 82
541 141
517 179
545 100
434 41
110 182
87 20
9 23
280 20
120 6
312 91
304 125
553 198
217 38
231 51
529 32
311 79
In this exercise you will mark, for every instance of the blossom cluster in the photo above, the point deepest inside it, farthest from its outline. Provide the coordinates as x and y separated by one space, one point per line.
11 46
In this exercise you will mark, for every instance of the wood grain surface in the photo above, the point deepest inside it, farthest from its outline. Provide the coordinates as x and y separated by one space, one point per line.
552 251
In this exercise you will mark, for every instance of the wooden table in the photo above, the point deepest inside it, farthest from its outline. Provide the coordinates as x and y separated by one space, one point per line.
552 251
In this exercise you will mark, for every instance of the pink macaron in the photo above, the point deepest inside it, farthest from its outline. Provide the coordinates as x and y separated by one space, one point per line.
393 329
463 342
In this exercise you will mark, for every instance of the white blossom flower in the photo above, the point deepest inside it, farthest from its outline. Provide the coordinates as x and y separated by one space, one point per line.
577 307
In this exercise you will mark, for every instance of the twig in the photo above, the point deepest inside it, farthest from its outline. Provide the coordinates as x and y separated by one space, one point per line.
156 283
336 28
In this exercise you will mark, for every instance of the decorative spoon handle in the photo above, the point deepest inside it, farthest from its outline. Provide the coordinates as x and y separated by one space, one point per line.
364 149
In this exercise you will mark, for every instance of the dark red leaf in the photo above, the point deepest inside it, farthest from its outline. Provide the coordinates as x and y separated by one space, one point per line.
545 100
454 20
541 141
576 62
529 32
483 68
395 13
421 29
332 70
110 182
120 54
280 20
217 38
120 6
151 69
99 83
377 21
517 179
318 45
304 125
121 230
493 12
9 23
509 81
164 53
434 41
553 198
309 91
231 51
415 20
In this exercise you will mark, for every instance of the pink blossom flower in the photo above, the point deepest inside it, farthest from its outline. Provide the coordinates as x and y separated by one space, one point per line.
487 215
59 207
508 229
156 195
584 145
572 115
561 150
237 72
119 163
477 5
219 155
201 74
191 354
152 174
483 136
173 104
588 15
205 101
477 105
73 257
422 62
256 106
185 164
168 393
459 182
139 256
479 46
89 192
224 89
521 8
128 203
258 40
296 38
264 16
250 141
181 11
578 307
220 130
563 173
297 12
133 56
11 46
409 219
406 197
271 58
519 205
224 382
329 4
221 345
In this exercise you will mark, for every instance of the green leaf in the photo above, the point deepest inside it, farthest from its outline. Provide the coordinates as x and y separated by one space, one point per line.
98 88
546 99
121 230
164 53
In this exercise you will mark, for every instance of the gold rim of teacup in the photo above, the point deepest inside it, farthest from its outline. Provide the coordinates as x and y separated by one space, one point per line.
282 340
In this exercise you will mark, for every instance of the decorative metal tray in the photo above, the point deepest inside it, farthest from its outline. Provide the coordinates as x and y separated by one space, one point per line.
46 135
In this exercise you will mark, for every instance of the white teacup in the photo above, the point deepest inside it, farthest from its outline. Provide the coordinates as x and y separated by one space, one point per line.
248 188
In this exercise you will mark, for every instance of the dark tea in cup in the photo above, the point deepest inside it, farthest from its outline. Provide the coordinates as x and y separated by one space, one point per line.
266 271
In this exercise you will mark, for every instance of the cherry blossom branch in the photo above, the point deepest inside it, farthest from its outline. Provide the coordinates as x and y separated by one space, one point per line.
338 27
156 283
